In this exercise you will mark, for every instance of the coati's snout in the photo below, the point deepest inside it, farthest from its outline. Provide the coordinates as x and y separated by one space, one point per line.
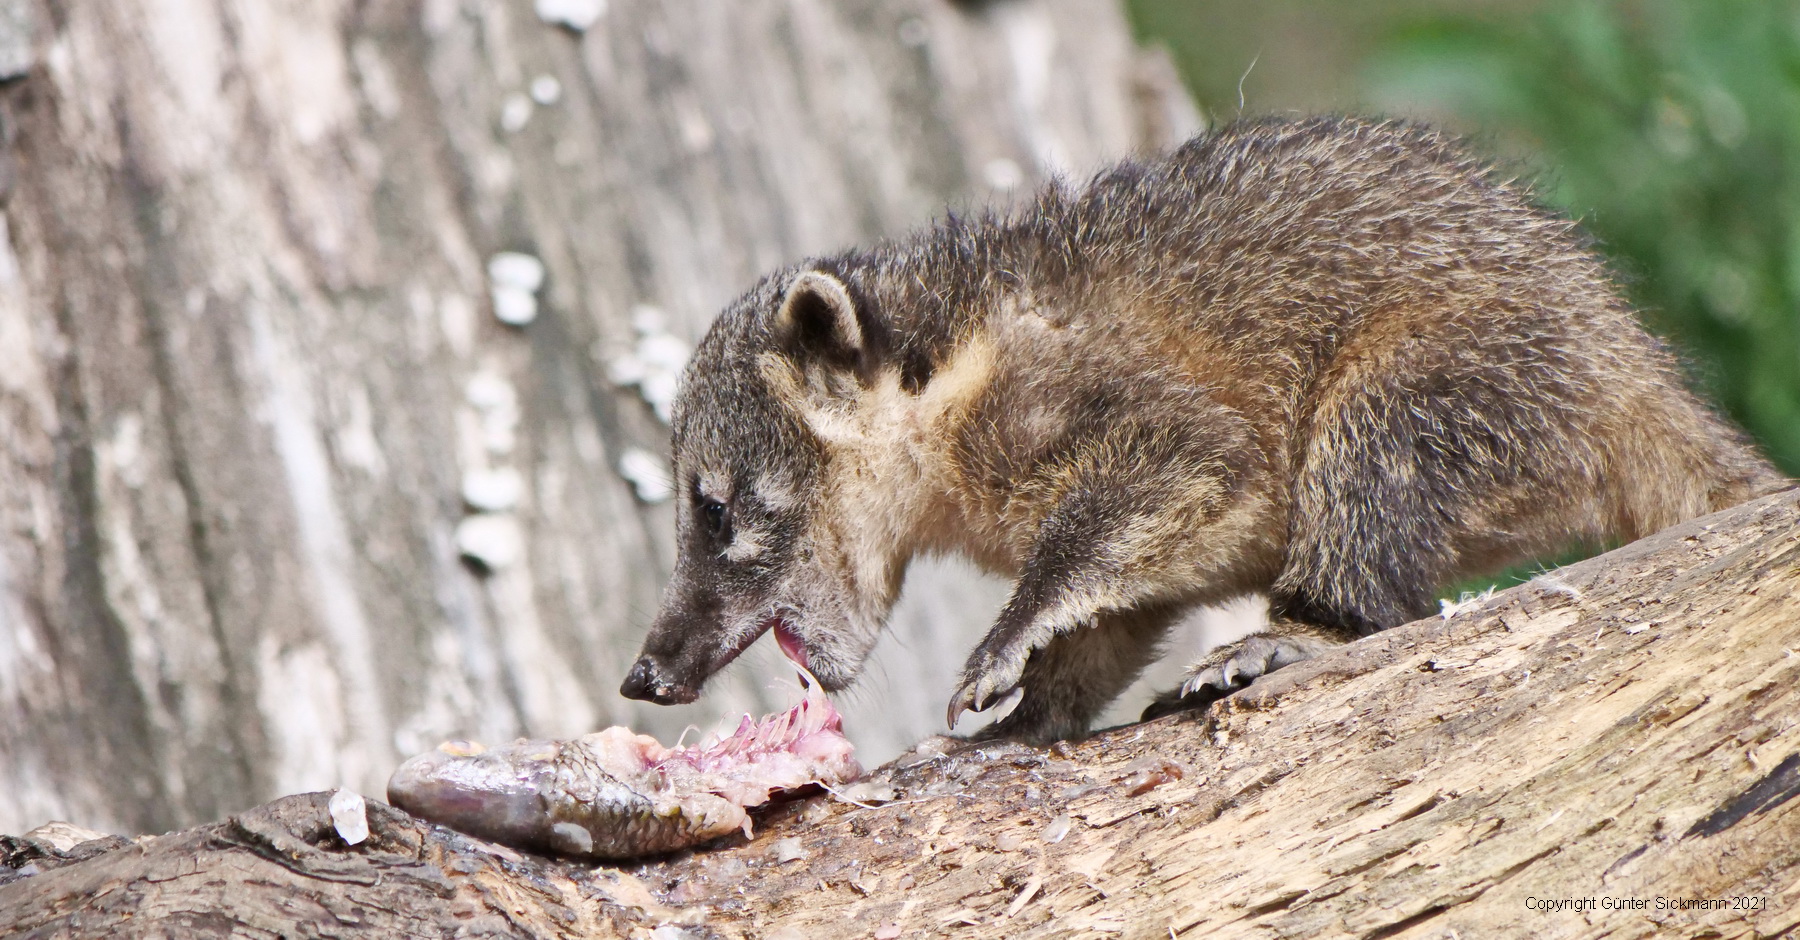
678 659
680 656
702 627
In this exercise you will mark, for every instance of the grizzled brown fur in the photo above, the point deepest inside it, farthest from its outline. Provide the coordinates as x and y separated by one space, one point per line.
1333 361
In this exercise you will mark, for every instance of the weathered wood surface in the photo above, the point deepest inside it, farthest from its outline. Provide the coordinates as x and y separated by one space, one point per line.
1623 731
249 364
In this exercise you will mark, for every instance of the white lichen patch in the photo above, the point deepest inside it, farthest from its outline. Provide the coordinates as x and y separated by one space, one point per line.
648 475
124 452
546 90
514 307
490 392
495 490
515 113
491 540
516 269
514 278
349 816
578 15
491 536
655 362
496 404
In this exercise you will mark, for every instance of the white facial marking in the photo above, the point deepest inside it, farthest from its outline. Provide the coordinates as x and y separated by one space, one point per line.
775 494
715 486
746 543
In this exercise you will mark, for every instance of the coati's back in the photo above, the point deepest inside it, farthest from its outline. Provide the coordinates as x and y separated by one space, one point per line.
1413 345
1332 361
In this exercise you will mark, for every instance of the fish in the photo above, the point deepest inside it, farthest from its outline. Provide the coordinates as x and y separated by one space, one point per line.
617 794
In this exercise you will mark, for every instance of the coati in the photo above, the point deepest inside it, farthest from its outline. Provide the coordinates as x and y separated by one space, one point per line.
1335 361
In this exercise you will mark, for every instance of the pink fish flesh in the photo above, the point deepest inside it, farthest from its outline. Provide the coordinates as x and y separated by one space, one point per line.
618 794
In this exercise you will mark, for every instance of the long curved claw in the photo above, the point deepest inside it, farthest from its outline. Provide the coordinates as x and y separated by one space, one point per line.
962 701
979 693
994 670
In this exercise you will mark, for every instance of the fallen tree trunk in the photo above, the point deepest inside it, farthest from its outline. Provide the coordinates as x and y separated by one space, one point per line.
1605 751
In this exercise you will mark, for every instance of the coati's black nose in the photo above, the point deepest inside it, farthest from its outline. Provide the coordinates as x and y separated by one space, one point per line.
646 683
640 683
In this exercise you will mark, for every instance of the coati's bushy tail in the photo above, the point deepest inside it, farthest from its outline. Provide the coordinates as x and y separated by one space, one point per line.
1688 463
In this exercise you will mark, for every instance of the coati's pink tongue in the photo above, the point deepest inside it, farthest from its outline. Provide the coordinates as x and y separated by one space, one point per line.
791 645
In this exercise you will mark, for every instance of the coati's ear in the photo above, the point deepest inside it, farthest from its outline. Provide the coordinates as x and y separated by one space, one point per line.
818 327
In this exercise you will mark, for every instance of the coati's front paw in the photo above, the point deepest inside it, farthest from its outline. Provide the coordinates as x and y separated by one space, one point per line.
1235 665
993 671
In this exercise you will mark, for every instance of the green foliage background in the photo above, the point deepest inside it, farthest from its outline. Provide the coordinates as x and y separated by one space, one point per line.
1670 127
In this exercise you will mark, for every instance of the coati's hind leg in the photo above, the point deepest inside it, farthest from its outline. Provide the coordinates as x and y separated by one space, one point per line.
1450 456
1233 666
1422 468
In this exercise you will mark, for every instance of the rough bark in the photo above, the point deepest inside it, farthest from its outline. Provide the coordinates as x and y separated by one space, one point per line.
1621 729
249 363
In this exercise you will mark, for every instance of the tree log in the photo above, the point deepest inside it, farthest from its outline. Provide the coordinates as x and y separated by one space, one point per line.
1607 750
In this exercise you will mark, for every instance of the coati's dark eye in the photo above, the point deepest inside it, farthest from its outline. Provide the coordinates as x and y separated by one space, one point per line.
714 517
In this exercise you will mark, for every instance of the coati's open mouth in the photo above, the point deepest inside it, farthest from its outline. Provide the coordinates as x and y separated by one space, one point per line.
791 645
